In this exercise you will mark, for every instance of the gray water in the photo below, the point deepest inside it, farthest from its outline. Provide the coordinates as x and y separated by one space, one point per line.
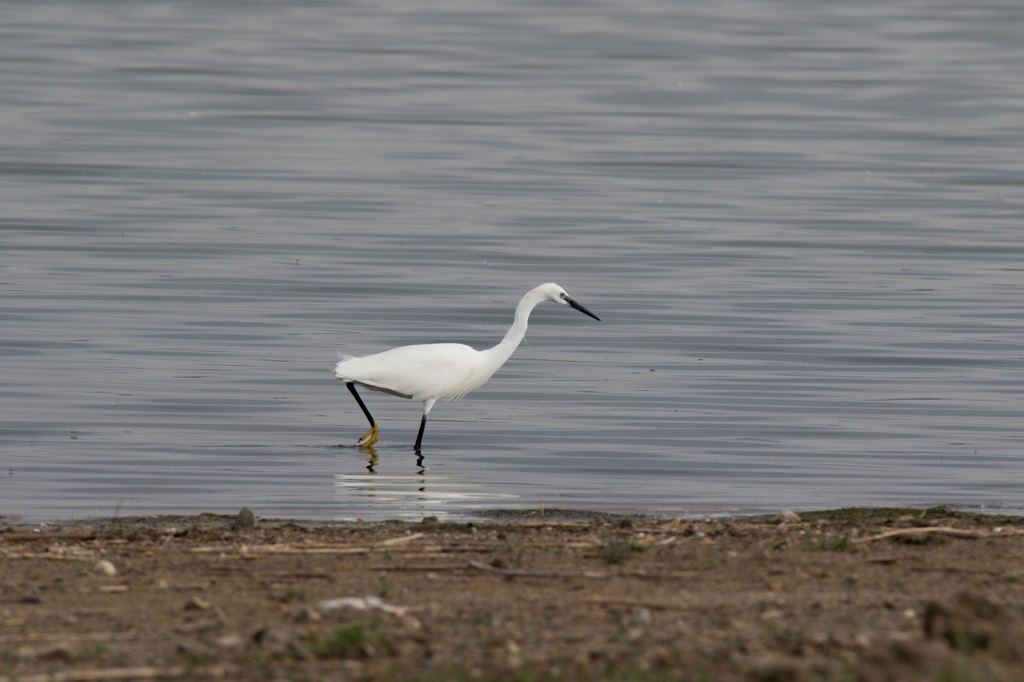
802 224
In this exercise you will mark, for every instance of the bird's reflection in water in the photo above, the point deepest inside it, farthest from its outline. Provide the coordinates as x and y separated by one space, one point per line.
371 460
412 494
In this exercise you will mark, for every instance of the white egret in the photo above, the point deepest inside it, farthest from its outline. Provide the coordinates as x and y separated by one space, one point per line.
440 370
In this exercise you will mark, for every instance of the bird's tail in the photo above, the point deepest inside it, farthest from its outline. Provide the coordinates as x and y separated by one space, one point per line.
342 357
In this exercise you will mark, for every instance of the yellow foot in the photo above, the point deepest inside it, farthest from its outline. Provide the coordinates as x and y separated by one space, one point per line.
370 437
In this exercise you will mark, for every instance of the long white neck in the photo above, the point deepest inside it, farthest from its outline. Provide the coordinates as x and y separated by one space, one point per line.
495 357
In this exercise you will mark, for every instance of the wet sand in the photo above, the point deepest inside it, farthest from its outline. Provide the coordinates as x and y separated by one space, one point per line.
861 594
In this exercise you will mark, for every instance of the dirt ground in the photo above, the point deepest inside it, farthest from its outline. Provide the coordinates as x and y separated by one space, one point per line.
882 594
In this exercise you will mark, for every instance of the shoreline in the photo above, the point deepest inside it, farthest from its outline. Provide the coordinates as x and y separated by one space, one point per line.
532 515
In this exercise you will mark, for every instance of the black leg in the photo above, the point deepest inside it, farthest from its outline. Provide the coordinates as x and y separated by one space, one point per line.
362 405
419 437
370 437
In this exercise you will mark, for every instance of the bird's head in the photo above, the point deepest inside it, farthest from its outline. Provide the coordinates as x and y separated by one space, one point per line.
553 292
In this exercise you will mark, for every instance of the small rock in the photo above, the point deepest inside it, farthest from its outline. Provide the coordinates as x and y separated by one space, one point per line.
777 670
358 603
637 622
59 650
104 567
971 620
369 603
308 614
245 520
513 657
788 516
272 638
231 641
902 657
197 604
640 618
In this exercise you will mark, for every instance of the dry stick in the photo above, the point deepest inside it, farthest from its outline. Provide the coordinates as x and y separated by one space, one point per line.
256 550
267 550
511 573
400 540
46 556
939 530
22 637
637 603
559 524
556 544
139 673
35 537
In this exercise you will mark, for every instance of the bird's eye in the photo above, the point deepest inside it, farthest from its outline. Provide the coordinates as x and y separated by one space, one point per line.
563 295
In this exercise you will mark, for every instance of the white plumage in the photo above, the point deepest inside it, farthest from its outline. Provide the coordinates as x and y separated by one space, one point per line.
427 372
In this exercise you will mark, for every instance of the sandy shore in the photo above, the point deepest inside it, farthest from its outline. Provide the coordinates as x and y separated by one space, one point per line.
842 595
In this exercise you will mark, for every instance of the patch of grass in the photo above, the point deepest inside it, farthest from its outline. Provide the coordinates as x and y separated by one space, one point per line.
961 671
86 652
384 585
708 566
618 552
350 641
610 673
293 594
1013 577
396 563
904 516
511 555
642 675
831 543
192 660
785 635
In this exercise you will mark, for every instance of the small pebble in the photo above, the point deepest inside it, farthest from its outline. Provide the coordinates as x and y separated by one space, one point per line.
777 670
788 516
307 614
104 567
231 641
272 638
245 520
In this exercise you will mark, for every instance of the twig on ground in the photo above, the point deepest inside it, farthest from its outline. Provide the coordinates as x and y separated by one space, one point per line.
939 530
137 673
513 573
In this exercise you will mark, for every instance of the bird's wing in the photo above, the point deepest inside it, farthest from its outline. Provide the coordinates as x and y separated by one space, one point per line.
437 370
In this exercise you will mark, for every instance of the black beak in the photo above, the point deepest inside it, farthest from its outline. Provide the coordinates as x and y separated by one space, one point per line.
580 308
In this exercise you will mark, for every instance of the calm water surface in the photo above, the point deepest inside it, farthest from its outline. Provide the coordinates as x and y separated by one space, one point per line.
802 225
